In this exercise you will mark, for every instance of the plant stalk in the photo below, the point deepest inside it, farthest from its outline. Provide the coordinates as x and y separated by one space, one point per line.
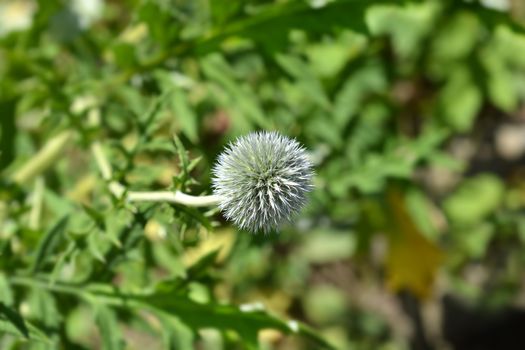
119 191
172 197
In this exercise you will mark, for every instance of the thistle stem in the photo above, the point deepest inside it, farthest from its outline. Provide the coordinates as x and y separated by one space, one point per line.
172 197
119 191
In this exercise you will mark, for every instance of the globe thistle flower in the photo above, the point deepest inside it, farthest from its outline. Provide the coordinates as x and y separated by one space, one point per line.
262 179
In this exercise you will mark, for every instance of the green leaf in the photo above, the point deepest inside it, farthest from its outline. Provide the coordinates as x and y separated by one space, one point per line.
180 105
195 272
125 55
306 80
147 119
328 58
324 246
272 25
43 308
408 25
109 329
176 335
183 162
455 41
475 240
327 132
221 10
184 113
361 84
6 295
162 26
324 304
11 322
460 100
194 214
247 320
7 131
63 257
474 200
240 96
501 83
49 243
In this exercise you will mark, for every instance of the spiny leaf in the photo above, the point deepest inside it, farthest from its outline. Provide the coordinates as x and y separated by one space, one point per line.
183 161
48 243
247 320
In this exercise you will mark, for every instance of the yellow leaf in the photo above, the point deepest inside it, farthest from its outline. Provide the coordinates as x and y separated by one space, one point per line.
412 259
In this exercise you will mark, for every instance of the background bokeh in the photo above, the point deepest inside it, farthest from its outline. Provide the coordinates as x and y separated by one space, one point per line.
413 114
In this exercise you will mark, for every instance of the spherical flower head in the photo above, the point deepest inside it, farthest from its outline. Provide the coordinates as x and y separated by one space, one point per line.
262 179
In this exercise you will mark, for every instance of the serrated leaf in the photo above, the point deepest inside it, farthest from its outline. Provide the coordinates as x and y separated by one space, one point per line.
11 322
181 152
180 180
194 163
97 217
247 321
48 243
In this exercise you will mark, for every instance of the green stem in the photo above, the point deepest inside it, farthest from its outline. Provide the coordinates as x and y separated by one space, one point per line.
119 191
172 197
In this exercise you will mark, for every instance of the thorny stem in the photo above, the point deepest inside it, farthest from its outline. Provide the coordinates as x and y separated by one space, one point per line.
146 196
173 197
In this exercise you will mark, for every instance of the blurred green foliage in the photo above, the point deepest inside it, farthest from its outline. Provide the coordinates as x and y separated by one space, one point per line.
412 112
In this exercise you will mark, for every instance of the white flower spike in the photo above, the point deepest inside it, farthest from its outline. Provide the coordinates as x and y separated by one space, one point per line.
262 179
